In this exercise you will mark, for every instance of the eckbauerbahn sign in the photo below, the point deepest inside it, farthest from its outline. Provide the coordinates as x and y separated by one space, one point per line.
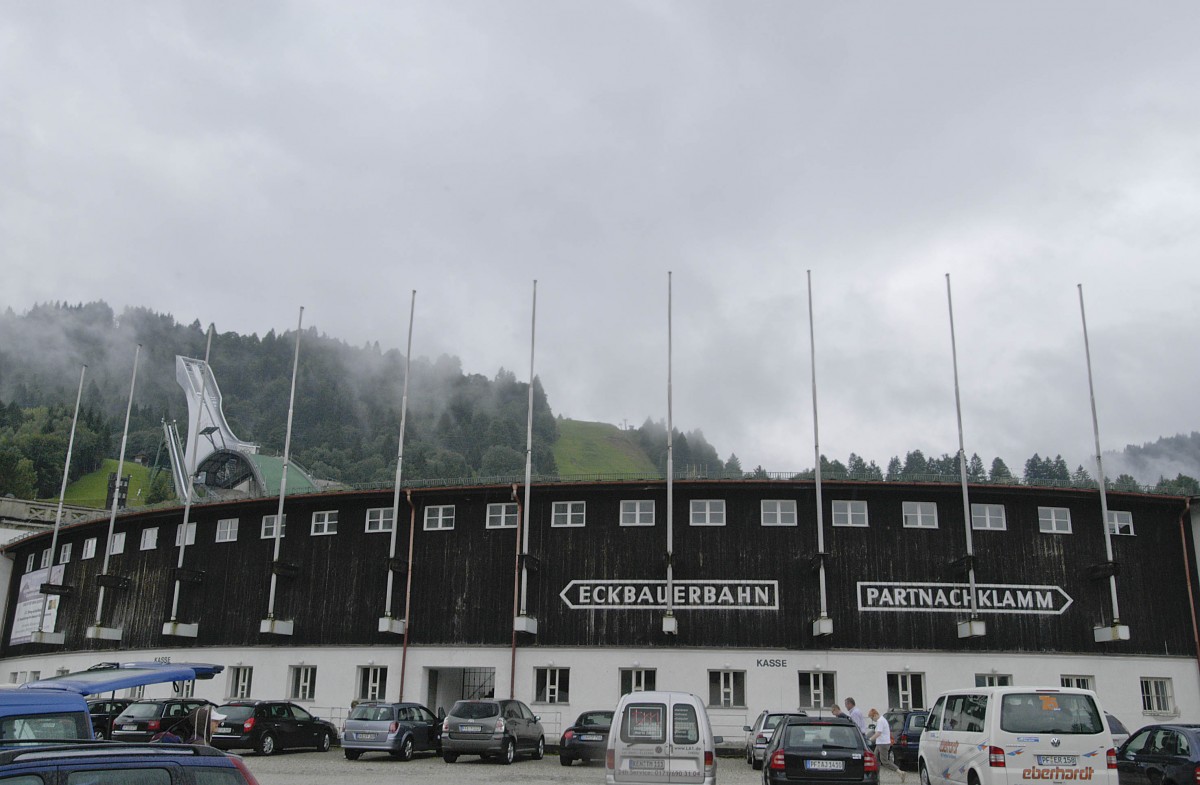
956 597
685 595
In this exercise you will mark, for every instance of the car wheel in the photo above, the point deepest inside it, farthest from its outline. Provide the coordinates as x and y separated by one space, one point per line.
449 757
924 772
325 743
405 752
510 752
540 752
565 758
266 745
757 764
352 754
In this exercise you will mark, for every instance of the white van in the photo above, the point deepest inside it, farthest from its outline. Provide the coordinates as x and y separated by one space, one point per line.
1016 736
659 737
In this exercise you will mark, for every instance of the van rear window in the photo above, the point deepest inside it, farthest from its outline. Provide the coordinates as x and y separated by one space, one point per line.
686 728
1059 712
644 723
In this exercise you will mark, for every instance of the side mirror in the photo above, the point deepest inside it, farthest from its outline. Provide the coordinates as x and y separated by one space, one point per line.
747 728
537 718
718 739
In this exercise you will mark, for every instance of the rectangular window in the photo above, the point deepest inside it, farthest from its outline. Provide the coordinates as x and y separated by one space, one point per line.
268 527
136 693
708 512
1079 682
240 680
637 680
778 512
227 530
184 689
149 539
29 562
988 516
45 558
553 685
1054 520
849 513
380 519
64 553
817 690
439 517
303 680
1120 522
920 515
1157 696
89 548
372 682
502 515
727 689
118 543
191 534
324 522
637 512
906 690
993 680
569 514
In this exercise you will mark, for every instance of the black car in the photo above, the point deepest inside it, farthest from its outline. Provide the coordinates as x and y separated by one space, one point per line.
587 739
142 719
1160 754
103 711
818 751
907 726
270 726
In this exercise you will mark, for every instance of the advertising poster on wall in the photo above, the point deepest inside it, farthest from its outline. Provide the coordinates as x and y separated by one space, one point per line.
29 604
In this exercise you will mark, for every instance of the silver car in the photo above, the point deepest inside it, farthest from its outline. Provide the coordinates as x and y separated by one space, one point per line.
498 729
399 729
758 735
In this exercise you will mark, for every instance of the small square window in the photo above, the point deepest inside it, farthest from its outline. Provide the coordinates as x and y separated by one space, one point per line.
30 562
708 512
1120 522
191 534
89 549
1079 682
439 517
64 553
988 517
303 682
118 543
569 514
778 512
552 685
1158 696
46 558
502 515
268 527
149 539
920 515
1054 520
727 689
227 529
637 512
324 522
380 519
849 513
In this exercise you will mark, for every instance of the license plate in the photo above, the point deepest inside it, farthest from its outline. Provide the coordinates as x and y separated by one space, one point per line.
646 764
825 765
470 728
590 737
128 727
224 729
1057 760
365 736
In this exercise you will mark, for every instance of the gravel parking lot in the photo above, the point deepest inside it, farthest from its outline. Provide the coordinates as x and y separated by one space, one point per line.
315 768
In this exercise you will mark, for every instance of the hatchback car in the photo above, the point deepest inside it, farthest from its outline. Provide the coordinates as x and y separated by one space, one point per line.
399 729
906 726
1160 754
270 726
102 761
587 739
818 750
142 719
499 729
103 711
758 735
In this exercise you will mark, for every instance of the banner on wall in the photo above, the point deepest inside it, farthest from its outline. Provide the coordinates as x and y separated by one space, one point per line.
28 616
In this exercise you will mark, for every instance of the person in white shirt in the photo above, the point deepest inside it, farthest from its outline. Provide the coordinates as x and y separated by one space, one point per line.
856 716
881 737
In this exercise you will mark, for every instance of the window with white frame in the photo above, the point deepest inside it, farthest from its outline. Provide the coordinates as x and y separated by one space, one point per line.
191 533
1120 522
118 543
439 517
988 516
46 554
502 515
1054 520
920 515
848 512
778 512
708 512
149 540
324 522
372 682
817 689
637 512
1079 682
303 680
380 519
184 689
227 529
30 561
240 679
637 680
552 685
568 514
1158 696
135 693
268 527
993 679
726 689
906 690
64 553
89 548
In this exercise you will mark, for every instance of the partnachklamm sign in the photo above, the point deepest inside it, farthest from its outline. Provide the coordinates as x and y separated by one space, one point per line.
956 597
689 594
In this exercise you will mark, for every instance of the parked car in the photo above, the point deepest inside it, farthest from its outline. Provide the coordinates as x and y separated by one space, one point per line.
587 739
759 734
102 761
906 726
1160 754
270 726
492 728
1120 733
399 729
142 719
817 750
103 711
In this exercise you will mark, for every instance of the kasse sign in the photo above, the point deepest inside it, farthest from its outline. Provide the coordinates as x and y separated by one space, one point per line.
956 597
685 595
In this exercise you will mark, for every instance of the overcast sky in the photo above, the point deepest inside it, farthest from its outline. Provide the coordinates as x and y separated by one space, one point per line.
231 161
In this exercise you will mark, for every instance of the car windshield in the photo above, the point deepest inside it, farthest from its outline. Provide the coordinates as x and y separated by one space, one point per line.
236 712
802 737
596 719
475 710
141 711
372 713
1040 712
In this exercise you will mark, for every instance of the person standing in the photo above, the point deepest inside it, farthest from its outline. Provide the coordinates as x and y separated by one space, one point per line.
856 716
881 737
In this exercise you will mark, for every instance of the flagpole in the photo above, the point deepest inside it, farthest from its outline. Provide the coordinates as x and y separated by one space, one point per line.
822 625
670 623
387 623
524 622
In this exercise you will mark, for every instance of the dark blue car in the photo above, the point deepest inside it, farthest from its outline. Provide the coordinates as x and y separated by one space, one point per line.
907 726
115 762
1160 754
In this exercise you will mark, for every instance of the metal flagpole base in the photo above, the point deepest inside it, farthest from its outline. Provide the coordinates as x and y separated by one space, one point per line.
525 624
97 632
972 628
1112 633
390 624
57 638
822 626
181 629
276 626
